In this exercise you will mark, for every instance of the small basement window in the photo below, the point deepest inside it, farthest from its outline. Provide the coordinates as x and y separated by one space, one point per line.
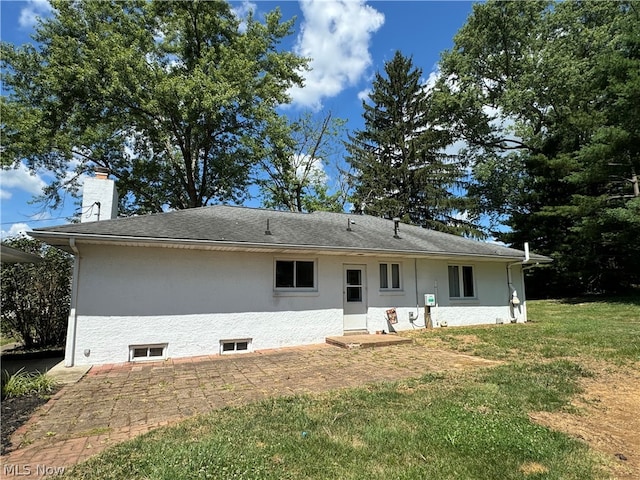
138 353
235 346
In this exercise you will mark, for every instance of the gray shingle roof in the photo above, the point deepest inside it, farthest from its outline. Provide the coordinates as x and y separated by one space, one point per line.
13 255
246 226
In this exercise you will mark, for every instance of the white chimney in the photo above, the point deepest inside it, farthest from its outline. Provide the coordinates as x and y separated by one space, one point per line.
99 197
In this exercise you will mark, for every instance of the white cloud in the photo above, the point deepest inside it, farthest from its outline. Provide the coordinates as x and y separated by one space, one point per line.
17 229
363 95
454 148
495 241
309 168
463 216
335 35
242 11
430 82
20 178
32 11
497 119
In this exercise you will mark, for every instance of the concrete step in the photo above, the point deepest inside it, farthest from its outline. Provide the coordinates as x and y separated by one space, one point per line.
363 331
367 341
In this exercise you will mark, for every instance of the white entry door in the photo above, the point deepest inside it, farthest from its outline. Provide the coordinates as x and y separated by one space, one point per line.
355 297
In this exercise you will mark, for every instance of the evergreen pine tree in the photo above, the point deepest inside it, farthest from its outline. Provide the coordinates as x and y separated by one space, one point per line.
399 165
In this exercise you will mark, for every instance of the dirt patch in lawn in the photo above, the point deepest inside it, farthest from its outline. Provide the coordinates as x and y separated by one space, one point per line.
607 417
449 342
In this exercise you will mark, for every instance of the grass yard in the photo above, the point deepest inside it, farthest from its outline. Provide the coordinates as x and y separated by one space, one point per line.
470 425
5 340
585 329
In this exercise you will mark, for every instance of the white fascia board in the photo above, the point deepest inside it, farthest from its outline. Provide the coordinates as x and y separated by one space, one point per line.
61 239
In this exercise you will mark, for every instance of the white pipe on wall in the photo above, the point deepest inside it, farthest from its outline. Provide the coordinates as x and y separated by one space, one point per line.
70 346
514 301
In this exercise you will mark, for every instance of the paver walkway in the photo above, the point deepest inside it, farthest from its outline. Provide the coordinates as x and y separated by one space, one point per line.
117 402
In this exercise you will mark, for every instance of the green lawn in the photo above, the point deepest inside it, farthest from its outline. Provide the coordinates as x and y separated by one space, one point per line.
585 328
4 340
471 425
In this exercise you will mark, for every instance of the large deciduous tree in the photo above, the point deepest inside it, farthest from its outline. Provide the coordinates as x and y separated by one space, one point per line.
399 163
294 172
546 97
171 96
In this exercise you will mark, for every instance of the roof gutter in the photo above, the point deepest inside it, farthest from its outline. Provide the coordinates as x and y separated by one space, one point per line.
243 246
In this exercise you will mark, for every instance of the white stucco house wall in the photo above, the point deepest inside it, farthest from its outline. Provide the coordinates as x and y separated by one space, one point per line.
224 280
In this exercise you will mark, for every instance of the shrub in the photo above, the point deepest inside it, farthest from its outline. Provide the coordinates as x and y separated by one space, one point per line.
27 383
36 296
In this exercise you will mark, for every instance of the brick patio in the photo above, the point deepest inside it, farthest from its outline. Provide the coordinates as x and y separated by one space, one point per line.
115 403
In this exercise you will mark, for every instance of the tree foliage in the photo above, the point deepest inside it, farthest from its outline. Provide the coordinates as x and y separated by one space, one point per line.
546 97
173 97
294 173
36 296
400 168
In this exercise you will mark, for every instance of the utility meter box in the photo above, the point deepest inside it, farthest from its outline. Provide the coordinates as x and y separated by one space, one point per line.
429 299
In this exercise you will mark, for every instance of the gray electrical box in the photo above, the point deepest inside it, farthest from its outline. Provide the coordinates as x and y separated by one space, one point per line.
429 299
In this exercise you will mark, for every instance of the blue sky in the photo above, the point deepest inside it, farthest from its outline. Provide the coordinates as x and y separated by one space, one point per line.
348 41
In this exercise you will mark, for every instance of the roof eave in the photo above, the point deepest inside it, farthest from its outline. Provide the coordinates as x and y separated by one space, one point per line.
61 240
13 255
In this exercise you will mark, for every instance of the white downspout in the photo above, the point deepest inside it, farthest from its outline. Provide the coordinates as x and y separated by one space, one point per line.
70 347
524 296
434 317
415 279
514 301
512 292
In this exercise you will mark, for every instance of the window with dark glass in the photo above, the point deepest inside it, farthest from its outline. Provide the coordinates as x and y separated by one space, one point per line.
467 281
389 276
461 283
235 346
395 275
147 352
295 274
384 279
354 285
285 274
304 275
454 281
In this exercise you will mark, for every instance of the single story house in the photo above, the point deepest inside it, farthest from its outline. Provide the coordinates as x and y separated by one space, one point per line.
224 280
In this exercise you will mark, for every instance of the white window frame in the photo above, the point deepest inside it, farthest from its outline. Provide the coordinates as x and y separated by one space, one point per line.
461 288
148 357
296 290
235 342
390 288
